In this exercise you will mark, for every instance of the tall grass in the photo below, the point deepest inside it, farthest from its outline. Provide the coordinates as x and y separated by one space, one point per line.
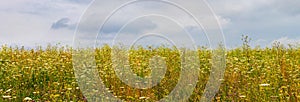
252 74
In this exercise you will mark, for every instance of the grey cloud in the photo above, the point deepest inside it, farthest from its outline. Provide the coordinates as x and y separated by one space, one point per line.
63 23
80 1
289 7
48 8
137 26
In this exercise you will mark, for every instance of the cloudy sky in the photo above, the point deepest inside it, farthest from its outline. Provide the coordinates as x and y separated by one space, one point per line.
39 22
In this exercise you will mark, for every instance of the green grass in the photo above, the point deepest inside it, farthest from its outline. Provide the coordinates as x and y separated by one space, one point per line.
270 74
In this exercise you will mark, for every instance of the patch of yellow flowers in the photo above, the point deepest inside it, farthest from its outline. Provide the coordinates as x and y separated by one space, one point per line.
270 74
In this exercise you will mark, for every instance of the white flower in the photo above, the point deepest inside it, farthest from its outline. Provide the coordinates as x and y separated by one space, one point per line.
243 96
27 99
69 88
6 96
264 85
143 98
8 90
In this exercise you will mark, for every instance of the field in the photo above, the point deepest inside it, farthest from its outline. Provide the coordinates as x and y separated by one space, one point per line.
252 74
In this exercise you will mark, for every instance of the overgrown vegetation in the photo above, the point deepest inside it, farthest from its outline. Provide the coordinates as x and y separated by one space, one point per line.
269 74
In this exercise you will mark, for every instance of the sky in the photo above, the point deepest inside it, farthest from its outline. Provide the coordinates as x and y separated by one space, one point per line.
40 22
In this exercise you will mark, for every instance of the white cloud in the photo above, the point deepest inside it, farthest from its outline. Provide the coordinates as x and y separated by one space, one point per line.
286 41
28 22
259 19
